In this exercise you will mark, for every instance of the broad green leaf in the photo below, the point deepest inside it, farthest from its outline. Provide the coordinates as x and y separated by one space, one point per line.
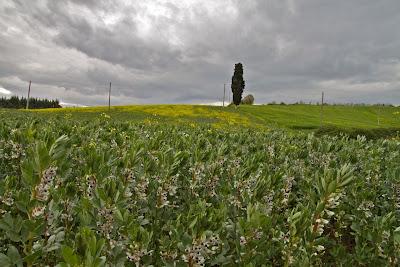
69 256
14 256
5 261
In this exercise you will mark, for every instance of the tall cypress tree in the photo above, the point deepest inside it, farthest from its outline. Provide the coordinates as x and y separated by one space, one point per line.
237 85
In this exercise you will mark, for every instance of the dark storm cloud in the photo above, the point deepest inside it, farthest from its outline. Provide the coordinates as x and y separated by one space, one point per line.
184 51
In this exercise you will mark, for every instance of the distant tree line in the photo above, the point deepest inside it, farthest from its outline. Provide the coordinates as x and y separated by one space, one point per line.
20 102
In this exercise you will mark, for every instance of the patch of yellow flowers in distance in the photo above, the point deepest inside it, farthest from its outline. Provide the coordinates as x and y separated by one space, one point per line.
218 117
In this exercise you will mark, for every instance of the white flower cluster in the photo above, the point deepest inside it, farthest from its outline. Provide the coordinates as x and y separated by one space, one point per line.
269 202
91 185
211 185
197 171
287 247
366 206
332 203
141 188
257 234
291 242
162 196
271 150
298 167
396 189
198 174
319 225
250 185
235 201
201 250
169 255
42 189
129 182
38 211
320 159
319 250
136 253
113 144
287 189
168 188
221 162
129 176
242 190
66 215
7 199
385 239
237 162
243 240
171 185
105 225
333 200
15 150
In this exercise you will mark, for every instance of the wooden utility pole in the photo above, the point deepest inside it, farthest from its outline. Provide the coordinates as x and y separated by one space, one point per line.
223 100
378 114
109 98
322 108
29 93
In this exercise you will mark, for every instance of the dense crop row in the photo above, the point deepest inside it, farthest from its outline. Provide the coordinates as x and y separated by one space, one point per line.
117 193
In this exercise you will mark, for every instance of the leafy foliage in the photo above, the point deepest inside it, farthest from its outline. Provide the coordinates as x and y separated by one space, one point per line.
111 193
373 133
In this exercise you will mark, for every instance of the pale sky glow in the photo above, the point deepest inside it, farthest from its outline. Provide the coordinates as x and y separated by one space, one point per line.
4 91
174 51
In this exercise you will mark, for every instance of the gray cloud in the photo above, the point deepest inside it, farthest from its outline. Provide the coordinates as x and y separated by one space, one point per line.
184 51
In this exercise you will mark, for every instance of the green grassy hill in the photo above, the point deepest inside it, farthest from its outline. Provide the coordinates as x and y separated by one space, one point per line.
353 120
309 116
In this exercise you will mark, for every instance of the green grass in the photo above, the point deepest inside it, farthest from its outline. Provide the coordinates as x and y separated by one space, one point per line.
372 121
309 116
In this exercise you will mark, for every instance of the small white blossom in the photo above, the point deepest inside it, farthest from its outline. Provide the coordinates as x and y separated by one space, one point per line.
38 211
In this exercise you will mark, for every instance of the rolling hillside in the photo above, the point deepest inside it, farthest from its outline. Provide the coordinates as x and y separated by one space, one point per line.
367 120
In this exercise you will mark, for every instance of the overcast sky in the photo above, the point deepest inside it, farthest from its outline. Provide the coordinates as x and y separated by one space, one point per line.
175 51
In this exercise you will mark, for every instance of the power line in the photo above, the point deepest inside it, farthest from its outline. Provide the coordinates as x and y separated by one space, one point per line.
109 98
29 93
322 108
223 100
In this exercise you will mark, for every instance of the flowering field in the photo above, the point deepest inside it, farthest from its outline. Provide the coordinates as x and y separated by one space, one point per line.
110 193
273 116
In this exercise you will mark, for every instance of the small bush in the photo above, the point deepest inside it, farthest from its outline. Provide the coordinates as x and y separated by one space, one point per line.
248 100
